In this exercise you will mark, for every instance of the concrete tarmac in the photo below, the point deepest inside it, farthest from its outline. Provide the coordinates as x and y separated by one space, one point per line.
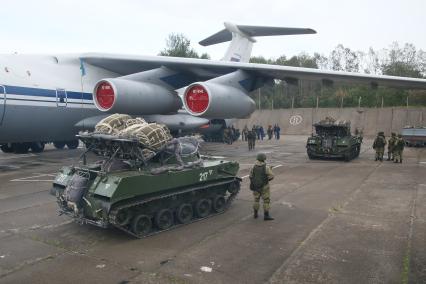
335 222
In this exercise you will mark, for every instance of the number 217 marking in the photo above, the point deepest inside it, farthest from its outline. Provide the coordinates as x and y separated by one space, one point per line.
204 175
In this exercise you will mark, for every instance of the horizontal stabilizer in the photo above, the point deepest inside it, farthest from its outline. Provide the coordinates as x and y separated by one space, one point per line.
253 31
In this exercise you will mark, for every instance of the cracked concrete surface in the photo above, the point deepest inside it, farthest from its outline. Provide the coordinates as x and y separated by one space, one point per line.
336 222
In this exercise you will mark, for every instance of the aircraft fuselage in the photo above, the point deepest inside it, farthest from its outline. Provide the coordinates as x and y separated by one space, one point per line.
43 97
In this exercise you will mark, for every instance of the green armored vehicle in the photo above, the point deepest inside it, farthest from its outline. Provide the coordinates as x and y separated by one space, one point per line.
144 187
333 139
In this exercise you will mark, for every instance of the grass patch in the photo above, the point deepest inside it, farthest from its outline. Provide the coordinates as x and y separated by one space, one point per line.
335 209
406 267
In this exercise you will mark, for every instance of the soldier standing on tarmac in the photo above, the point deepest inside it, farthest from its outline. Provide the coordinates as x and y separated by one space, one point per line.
391 145
260 175
251 138
226 135
269 132
379 145
398 149
245 133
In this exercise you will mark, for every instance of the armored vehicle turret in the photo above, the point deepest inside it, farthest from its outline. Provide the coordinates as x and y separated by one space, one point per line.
333 139
134 176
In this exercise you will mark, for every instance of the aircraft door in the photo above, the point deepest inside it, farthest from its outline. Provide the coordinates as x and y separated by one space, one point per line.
61 98
2 103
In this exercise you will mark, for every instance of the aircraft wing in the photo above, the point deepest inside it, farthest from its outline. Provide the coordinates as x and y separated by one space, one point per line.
208 89
202 69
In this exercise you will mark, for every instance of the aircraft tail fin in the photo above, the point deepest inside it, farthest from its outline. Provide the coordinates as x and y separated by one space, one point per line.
242 40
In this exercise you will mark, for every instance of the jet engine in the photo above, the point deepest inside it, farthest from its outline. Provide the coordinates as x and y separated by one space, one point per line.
215 100
134 97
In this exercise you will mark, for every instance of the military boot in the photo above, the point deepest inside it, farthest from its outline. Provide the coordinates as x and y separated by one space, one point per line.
255 214
266 216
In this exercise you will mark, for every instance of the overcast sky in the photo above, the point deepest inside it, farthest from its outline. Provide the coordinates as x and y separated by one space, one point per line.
141 27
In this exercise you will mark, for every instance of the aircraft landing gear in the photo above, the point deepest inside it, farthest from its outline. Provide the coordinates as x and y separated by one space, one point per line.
21 148
59 144
7 148
37 147
73 144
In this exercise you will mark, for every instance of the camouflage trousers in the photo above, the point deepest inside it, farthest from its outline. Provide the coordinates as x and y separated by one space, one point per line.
265 194
379 153
390 154
251 144
397 156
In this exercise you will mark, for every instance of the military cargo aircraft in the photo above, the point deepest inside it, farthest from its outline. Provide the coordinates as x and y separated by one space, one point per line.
49 98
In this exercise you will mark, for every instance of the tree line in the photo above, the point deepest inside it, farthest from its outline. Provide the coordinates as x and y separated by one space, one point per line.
396 60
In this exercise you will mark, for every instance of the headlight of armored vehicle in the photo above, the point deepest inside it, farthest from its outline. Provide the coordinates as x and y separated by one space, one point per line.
63 176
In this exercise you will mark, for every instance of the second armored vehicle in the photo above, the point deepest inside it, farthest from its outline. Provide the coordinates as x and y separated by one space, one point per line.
414 136
333 139
146 182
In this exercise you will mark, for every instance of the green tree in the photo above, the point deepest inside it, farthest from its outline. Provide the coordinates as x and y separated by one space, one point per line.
405 62
302 60
177 45
261 60
344 59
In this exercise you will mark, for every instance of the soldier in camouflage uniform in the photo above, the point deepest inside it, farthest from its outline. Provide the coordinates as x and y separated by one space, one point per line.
251 138
379 145
260 175
226 135
398 149
391 145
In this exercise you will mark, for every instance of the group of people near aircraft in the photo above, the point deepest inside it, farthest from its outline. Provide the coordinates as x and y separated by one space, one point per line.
257 133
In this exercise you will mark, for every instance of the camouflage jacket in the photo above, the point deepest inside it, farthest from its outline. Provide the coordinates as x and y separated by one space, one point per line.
269 173
392 143
379 142
399 144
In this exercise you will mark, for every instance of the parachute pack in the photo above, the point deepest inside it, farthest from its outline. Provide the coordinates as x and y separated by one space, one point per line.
150 135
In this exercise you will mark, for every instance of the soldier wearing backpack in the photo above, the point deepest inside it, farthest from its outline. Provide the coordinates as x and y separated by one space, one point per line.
260 175
398 149
251 138
391 146
379 145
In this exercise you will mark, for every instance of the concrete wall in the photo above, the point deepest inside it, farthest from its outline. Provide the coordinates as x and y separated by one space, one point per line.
371 120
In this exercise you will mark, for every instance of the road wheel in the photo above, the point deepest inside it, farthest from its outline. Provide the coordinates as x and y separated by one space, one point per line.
234 187
123 217
73 144
184 213
141 225
219 203
21 148
356 152
347 156
59 144
202 208
37 147
6 148
163 219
